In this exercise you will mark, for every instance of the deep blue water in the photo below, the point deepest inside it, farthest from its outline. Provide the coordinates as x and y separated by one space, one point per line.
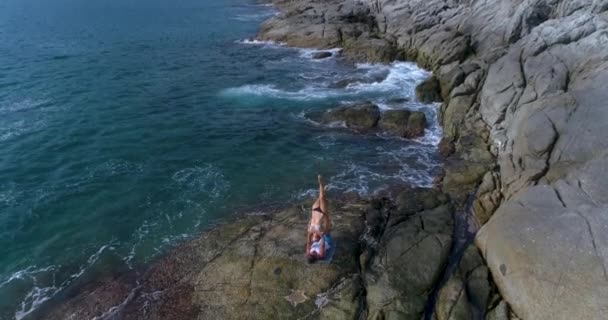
126 126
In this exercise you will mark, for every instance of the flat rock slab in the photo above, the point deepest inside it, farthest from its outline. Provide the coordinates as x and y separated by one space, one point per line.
253 266
388 257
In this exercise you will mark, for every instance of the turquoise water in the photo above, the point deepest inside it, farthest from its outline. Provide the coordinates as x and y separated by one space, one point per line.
127 126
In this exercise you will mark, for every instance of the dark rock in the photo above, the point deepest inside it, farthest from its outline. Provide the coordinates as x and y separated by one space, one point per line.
398 100
322 55
446 147
403 123
413 252
429 91
341 84
452 303
414 200
373 78
466 293
359 117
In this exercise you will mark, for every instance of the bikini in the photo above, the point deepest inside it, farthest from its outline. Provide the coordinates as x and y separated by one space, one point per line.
316 227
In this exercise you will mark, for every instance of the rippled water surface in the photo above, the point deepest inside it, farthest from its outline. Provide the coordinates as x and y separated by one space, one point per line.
126 126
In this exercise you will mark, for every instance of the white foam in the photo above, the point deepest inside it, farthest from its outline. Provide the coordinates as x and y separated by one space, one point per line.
205 179
309 53
23 105
401 76
41 292
110 313
271 91
254 16
264 43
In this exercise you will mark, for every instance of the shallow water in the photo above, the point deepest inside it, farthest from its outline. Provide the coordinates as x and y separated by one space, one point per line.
127 126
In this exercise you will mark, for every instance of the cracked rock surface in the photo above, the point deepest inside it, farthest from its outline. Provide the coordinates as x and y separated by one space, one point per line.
524 85
387 258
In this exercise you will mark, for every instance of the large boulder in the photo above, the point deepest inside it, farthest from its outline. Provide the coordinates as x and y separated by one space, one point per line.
549 245
412 253
429 91
359 117
403 123
466 294
322 24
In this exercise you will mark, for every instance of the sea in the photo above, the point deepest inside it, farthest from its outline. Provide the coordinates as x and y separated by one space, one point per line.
128 126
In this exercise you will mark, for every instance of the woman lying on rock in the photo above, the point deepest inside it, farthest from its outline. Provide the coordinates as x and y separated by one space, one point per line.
317 241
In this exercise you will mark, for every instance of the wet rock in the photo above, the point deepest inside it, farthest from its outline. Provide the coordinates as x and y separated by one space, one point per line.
429 91
322 55
373 78
403 123
359 117
398 100
446 147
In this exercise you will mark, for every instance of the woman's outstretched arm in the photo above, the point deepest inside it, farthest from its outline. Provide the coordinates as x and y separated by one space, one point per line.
322 254
308 243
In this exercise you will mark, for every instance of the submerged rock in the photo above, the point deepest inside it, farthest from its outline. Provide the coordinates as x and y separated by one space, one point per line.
403 123
359 117
322 55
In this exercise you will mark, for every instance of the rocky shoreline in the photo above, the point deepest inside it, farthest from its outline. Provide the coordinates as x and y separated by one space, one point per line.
522 84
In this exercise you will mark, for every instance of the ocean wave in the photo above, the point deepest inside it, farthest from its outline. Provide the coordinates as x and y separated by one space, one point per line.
254 16
45 282
272 92
205 179
309 53
263 43
395 80
401 76
18 128
116 167
23 105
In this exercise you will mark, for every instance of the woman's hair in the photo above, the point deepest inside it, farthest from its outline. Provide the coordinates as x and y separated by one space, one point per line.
312 257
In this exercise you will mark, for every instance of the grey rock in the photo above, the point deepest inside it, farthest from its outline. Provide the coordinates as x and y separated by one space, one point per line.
429 91
413 252
403 123
322 55
359 117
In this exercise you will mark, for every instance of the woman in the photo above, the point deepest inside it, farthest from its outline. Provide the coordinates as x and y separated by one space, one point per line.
318 227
